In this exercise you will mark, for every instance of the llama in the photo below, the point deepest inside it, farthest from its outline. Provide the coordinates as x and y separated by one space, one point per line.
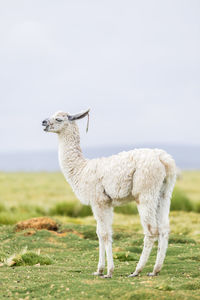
146 176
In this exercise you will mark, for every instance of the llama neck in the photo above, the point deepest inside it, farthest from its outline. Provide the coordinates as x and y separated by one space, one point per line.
70 155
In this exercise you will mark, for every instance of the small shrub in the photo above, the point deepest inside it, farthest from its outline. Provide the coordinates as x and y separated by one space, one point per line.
197 207
31 258
28 209
71 209
11 215
27 258
84 211
181 240
180 201
2 207
7 218
63 209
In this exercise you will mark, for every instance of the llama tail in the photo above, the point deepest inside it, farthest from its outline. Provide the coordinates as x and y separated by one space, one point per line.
171 172
170 166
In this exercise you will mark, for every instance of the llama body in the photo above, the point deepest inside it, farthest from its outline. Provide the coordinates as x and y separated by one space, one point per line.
146 176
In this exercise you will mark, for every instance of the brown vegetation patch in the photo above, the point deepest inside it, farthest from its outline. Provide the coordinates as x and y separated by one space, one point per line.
65 232
74 232
29 232
60 234
37 223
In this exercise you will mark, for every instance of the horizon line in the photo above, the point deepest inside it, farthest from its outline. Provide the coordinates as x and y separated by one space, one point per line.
139 145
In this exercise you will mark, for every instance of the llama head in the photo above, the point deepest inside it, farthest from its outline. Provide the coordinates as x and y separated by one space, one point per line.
60 120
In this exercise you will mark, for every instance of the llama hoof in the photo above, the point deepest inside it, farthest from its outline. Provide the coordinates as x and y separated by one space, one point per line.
134 274
107 276
152 274
97 274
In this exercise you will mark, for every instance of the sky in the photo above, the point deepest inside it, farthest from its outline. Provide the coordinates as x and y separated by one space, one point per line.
135 64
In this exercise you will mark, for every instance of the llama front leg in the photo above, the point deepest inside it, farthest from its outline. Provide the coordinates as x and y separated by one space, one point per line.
110 263
101 264
104 232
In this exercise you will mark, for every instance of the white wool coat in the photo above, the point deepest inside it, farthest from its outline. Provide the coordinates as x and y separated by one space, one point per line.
117 179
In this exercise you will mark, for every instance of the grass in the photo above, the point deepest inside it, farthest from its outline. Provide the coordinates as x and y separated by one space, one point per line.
180 201
58 265
71 209
26 195
73 255
189 183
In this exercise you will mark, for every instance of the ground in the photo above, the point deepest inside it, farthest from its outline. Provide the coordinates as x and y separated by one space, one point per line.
73 249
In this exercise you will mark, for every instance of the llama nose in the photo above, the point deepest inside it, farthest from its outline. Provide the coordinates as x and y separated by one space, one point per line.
45 122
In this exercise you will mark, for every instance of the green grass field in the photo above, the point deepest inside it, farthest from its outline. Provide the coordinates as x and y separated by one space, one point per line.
68 257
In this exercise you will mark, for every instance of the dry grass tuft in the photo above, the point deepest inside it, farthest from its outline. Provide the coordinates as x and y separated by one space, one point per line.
37 223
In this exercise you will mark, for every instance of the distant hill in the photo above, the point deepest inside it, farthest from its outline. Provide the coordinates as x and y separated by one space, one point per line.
187 157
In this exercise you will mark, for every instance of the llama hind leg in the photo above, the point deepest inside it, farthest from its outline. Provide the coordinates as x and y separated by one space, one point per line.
163 228
148 244
162 248
149 223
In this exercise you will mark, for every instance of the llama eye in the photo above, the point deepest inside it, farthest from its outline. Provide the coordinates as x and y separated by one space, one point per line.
59 120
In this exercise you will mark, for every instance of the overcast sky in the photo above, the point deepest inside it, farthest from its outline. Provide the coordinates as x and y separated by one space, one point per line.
136 64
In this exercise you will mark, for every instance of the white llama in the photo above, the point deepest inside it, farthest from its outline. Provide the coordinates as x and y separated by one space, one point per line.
146 176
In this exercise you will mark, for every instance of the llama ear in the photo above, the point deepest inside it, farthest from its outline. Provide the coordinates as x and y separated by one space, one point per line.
78 116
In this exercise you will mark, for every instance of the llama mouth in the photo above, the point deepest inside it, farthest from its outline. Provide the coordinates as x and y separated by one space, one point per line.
46 128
